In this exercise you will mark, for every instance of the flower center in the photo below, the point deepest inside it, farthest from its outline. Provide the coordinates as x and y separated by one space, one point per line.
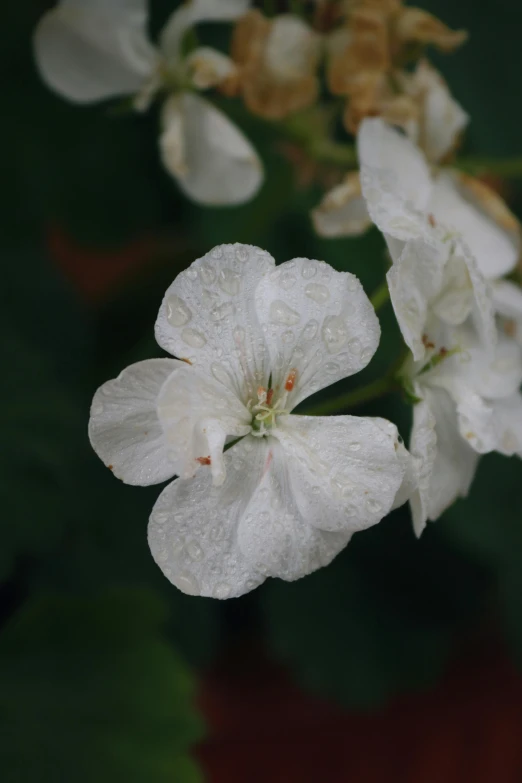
267 408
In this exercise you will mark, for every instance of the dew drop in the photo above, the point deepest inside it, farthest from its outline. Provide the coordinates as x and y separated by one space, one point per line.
334 333
194 551
222 590
310 330
318 292
308 269
354 446
355 346
219 312
241 254
209 298
331 367
373 506
220 374
193 338
208 274
191 273
353 284
299 353
229 281
186 583
281 313
288 336
178 314
366 355
217 252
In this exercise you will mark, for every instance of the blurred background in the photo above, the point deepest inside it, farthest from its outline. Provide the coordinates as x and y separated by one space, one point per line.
399 662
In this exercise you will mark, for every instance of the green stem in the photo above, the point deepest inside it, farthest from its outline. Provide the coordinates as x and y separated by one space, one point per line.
371 391
380 296
502 167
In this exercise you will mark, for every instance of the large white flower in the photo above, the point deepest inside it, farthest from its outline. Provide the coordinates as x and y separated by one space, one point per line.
443 247
90 50
468 403
254 340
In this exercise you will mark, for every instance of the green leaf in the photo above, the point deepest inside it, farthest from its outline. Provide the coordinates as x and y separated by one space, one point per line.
91 692
379 620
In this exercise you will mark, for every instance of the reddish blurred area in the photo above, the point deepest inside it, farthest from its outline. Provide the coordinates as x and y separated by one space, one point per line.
264 729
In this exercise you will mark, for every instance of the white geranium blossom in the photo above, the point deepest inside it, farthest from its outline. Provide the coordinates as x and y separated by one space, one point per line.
90 50
442 247
468 403
254 341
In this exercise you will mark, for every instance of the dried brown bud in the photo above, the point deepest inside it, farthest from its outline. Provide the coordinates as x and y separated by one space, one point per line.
413 25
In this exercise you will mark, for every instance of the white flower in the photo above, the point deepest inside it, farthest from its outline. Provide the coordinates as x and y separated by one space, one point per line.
90 50
442 247
468 404
256 340
342 211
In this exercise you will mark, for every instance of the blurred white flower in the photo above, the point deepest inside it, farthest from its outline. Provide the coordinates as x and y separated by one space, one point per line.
443 247
255 341
90 50
342 211
468 403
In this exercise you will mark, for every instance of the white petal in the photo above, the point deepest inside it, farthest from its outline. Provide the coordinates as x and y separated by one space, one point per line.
208 315
319 325
414 281
344 471
507 418
446 462
457 202
410 480
217 165
192 12
507 298
91 51
482 309
443 118
207 67
124 428
224 541
197 413
395 179
342 212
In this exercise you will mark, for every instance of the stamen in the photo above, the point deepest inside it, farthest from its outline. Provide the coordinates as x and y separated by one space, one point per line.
269 396
204 460
290 380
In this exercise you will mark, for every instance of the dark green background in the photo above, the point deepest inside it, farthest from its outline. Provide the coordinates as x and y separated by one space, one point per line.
99 654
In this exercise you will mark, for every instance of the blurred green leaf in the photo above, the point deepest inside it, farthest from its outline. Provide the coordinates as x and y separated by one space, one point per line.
379 620
91 692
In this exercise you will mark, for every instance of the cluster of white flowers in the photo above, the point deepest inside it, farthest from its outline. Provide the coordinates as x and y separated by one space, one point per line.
261 492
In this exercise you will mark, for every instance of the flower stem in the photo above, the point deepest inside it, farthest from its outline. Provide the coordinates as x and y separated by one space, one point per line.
380 296
372 391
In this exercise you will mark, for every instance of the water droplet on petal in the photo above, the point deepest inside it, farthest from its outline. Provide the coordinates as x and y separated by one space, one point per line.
281 313
194 551
229 281
288 336
208 274
355 346
310 330
366 355
373 506
97 408
193 338
354 446
308 269
191 273
217 252
353 284
219 312
222 590
318 292
209 298
186 582
220 374
242 254
178 313
331 367
334 333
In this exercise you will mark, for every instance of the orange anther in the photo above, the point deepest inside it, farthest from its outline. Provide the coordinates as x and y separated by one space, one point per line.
204 460
269 396
290 380
431 220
